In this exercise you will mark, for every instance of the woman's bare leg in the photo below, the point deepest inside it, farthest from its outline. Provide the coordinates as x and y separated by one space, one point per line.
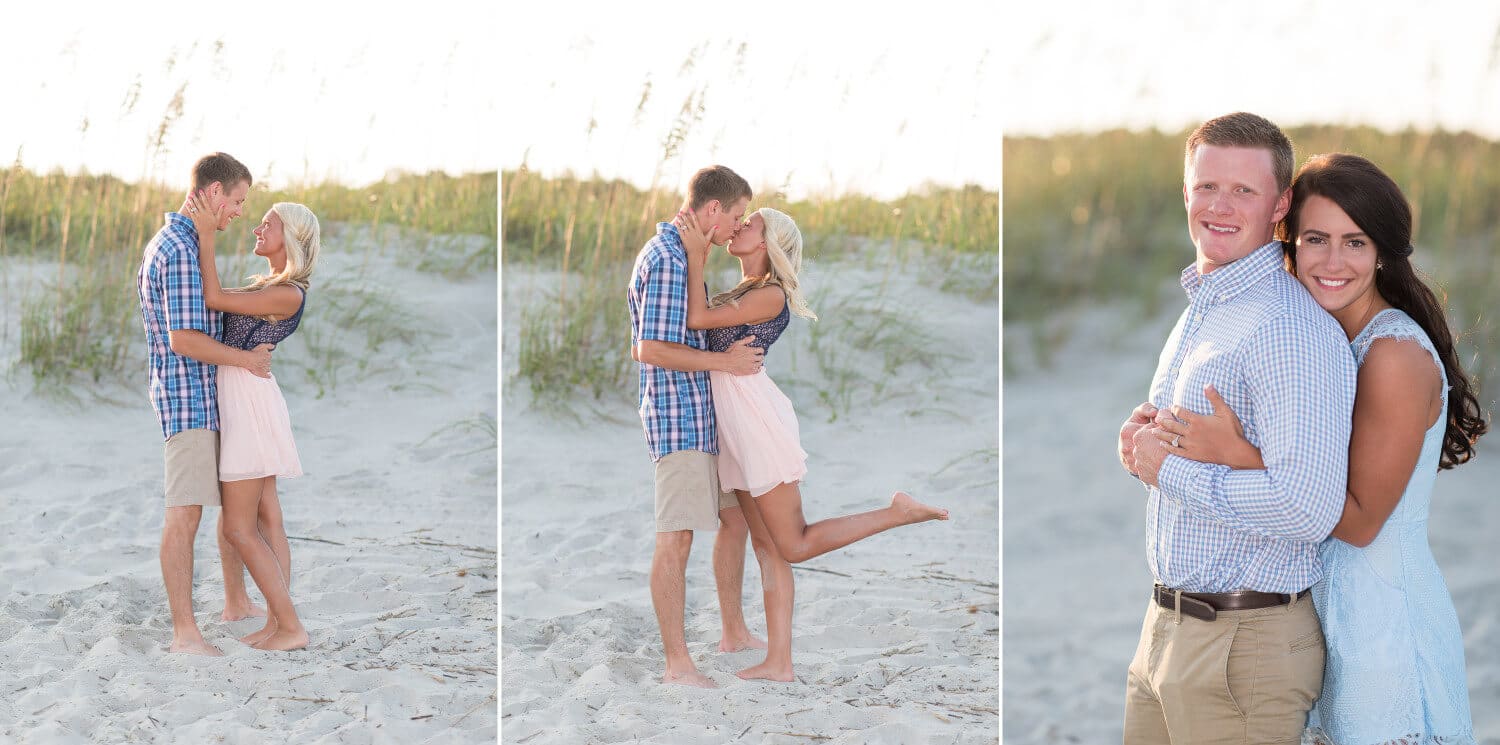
778 589
729 582
237 603
781 508
271 528
241 507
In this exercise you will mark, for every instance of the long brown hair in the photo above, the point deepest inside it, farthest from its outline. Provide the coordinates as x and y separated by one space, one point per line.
1375 203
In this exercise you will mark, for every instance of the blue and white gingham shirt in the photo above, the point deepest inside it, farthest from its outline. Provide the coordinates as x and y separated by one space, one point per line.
1283 364
676 407
184 391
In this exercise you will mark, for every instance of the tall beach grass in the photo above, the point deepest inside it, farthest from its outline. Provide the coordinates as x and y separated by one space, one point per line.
1098 218
589 230
81 321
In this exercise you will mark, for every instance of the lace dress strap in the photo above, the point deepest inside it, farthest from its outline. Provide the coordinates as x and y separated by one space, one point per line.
1393 323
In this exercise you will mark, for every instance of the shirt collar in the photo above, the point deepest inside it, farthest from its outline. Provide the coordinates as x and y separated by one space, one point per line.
669 235
1230 280
182 221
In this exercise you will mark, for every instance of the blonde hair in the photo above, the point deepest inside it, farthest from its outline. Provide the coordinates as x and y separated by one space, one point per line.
302 237
784 249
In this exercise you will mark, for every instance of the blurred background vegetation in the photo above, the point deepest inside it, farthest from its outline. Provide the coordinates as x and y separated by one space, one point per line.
589 231
79 316
1098 219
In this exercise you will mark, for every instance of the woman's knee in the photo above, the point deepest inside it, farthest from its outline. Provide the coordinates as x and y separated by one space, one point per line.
797 554
271 526
239 532
792 547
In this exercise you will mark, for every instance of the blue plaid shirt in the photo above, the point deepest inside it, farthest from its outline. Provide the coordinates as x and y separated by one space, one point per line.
676 407
184 391
1283 364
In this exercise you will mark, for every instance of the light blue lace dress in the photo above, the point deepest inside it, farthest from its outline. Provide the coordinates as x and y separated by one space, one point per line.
1395 669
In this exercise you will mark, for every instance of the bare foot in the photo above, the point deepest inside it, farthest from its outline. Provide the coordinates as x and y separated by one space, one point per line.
737 642
689 678
239 612
913 511
767 671
260 634
283 641
195 646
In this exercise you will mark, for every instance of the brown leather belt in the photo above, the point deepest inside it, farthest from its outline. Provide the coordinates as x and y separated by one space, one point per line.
1206 605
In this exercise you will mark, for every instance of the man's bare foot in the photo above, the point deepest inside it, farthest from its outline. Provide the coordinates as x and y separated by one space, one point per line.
239 611
195 646
737 642
283 641
913 511
260 634
689 678
767 671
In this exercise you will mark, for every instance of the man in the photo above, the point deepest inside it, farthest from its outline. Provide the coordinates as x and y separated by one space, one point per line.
678 415
1231 650
182 339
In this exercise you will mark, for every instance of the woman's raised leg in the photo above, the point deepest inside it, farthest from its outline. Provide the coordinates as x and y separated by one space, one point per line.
777 588
241 507
781 508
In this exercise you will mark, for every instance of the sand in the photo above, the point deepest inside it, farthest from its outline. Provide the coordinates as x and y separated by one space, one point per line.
895 638
394 557
1075 532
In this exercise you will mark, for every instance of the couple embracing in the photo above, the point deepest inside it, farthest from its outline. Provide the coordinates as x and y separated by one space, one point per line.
723 437
1300 412
227 431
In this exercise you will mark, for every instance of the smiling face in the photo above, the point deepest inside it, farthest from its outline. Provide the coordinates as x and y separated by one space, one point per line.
1336 261
235 199
1232 203
270 237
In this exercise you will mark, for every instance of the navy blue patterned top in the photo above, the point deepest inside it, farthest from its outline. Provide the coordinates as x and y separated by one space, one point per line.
247 332
766 333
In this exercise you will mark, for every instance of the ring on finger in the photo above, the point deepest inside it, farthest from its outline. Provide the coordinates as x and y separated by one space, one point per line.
1175 440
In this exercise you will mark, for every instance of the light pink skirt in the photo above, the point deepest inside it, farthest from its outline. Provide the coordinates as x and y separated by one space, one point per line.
255 431
759 444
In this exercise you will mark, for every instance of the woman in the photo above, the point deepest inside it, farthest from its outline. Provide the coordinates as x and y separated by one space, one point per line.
1395 665
760 456
256 445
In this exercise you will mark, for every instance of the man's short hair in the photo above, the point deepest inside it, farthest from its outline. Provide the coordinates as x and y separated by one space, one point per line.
1242 129
717 183
220 167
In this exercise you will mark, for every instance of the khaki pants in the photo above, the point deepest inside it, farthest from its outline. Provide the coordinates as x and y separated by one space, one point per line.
1248 677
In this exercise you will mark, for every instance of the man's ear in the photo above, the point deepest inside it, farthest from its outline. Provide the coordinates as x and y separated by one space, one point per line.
215 189
714 207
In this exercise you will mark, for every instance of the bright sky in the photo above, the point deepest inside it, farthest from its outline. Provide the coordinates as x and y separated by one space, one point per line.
824 97
299 89
1172 64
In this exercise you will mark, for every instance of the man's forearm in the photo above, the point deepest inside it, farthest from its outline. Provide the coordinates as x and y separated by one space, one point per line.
206 349
679 356
1256 502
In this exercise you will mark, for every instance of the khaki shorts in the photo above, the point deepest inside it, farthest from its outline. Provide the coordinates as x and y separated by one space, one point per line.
687 492
192 458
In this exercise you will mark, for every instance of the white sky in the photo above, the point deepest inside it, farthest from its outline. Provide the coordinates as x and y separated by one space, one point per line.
828 97
1079 66
300 89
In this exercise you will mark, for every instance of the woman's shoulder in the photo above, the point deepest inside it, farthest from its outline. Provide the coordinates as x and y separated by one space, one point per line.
1391 328
1397 349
